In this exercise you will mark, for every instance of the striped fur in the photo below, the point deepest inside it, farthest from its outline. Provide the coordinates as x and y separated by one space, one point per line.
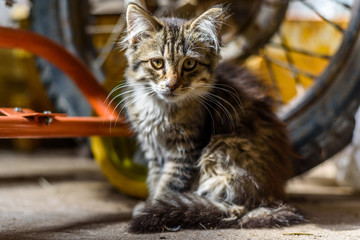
218 156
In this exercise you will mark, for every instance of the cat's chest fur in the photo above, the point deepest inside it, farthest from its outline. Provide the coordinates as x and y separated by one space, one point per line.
164 131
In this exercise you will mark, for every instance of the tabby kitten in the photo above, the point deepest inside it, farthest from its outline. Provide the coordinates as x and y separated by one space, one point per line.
218 157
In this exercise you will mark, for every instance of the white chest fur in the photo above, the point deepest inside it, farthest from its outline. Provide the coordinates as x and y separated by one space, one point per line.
163 135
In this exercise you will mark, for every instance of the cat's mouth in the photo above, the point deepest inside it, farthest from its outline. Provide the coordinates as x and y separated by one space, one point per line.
167 95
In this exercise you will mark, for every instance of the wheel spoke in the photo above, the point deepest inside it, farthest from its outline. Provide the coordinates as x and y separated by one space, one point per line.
289 58
311 7
300 51
110 42
272 78
291 68
345 5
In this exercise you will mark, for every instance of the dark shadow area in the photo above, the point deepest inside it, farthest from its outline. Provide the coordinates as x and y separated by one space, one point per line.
91 223
82 175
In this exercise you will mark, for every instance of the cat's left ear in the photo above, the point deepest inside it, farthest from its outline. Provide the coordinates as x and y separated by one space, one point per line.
140 23
208 26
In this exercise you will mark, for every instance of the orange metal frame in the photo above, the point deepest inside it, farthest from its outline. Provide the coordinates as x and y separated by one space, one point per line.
25 123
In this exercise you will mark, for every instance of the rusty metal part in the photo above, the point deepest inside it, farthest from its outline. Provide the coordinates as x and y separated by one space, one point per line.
26 123
64 60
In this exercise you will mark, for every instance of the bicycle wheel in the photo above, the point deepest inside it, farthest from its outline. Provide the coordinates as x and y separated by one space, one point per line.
321 119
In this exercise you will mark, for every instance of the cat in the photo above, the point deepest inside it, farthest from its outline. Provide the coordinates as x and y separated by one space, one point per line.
218 157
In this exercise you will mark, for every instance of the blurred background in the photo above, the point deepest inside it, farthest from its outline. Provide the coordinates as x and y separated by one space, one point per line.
289 44
308 51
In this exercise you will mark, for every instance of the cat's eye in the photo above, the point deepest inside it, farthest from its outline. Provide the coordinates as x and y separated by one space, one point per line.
157 63
189 64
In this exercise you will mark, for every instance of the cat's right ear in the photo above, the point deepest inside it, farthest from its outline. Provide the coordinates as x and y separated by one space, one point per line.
140 23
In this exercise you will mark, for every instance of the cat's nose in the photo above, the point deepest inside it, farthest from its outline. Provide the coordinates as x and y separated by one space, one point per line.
172 87
172 82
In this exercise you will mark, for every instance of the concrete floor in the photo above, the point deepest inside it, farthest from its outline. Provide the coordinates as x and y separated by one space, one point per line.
54 195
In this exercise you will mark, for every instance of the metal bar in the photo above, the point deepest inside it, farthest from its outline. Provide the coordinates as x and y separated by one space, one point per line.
64 60
60 127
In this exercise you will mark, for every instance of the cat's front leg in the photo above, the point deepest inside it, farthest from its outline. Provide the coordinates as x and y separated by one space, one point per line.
177 176
152 180
153 177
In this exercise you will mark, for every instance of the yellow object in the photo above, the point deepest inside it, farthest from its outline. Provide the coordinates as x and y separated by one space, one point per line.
129 178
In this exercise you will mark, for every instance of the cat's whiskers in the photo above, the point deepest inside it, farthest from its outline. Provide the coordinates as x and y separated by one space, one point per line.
136 99
133 99
127 95
213 99
117 105
205 101
146 91
109 95
198 99
228 103
233 93
236 114
117 96
118 87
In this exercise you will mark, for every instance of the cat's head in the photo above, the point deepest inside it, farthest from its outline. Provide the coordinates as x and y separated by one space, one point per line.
172 59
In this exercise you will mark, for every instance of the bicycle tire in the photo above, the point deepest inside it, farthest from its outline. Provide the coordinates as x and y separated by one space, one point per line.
322 125
48 18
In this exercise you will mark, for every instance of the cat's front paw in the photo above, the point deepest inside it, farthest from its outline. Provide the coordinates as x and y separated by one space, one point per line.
237 211
138 209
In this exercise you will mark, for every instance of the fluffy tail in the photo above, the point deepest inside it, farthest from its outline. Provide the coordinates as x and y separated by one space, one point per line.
193 211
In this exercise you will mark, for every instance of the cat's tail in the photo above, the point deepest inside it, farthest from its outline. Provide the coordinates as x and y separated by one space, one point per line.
193 211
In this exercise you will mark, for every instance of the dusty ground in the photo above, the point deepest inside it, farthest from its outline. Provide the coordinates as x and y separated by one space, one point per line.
52 195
